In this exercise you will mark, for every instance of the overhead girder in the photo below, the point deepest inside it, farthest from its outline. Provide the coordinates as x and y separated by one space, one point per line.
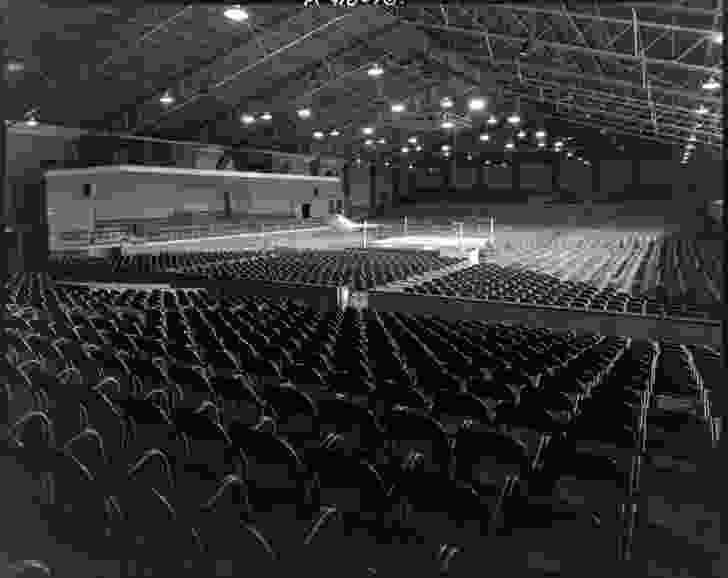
542 10
678 114
682 93
204 83
126 115
716 71
541 97
332 62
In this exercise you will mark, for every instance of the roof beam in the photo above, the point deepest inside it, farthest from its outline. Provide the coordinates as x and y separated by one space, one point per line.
687 94
565 47
205 91
587 16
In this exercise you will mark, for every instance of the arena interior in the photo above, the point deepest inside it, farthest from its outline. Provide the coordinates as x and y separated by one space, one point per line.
362 289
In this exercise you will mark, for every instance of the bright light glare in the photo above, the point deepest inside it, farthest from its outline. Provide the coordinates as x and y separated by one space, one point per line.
247 119
304 113
236 14
398 107
367 130
375 71
476 104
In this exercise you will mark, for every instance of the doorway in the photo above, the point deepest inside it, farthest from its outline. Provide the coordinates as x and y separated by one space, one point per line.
306 210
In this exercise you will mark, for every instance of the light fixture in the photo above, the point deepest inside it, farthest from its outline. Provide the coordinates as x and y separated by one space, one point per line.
514 118
31 121
492 120
558 144
476 104
711 84
702 110
540 134
382 141
369 142
375 71
386 163
368 130
304 113
334 133
398 107
15 66
541 144
445 148
247 119
411 166
446 102
166 98
412 140
521 134
318 135
485 137
487 163
266 116
236 13
405 150
718 38
510 145
569 154
418 148
446 154
470 157
358 161
448 124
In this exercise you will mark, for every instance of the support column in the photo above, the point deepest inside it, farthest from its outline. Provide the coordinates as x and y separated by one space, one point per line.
373 201
516 177
6 235
596 169
556 176
404 178
346 187
446 176
636 175
314 167
394 199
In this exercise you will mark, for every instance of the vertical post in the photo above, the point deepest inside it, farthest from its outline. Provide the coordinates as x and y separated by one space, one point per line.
5 235
596 168
404 226
492 230
516 176
346 187
364 235
555 176
372 188
480 176
636 174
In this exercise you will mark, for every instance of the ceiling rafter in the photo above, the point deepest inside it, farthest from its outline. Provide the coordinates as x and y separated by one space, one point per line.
206 90
457 30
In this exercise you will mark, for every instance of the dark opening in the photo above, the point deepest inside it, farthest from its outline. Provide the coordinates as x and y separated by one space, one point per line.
306 210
